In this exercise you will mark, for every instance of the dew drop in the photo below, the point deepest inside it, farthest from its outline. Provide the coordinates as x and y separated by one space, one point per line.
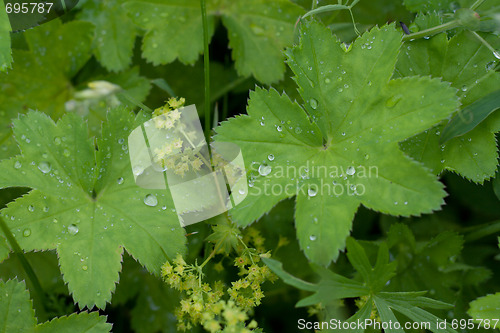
84 267
150 200
73 229
31 208
393 101
264 170
312 238
315 220
57 140
279 128
270 157
298 130
44 167
27 232
350 171
121 141
464 88
120 180
313 103
55 220
490 66
17 165
138 170
45 209
66 153
496 54
327 80
262 123
312 192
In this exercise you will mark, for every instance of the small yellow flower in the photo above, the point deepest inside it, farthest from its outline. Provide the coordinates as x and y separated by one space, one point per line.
196 163
175 103
175 115
177 143
179 261
166 269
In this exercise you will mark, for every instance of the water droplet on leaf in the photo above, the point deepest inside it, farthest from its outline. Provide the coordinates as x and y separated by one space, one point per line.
73 229
264 170
151 200
350 171
313 103
393 101
44 167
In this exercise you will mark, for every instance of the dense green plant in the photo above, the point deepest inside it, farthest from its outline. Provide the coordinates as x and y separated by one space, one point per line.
371 156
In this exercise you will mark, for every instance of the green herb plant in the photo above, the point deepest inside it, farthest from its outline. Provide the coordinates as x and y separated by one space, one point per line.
369 131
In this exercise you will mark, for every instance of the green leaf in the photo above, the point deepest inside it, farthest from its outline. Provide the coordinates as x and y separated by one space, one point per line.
257 29
469 66
115 32
277 268
362 115
428 6
496 184
325 9
15 297
333 287
85 203
78 323
471 116
19 317
5 50
429 265
486 307
41 76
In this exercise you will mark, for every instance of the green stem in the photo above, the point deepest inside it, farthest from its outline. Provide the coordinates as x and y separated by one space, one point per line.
212 254
228 87
485 43
482 231
25 263
314 4
476 4
432 31
225 106
206 57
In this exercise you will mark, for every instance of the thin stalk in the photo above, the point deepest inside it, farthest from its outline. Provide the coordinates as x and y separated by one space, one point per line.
25 263
485 43
314 4
432 31
476 4
225 106
482 231
206 56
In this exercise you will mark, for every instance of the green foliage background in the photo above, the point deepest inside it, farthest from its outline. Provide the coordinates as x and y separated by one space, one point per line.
421 243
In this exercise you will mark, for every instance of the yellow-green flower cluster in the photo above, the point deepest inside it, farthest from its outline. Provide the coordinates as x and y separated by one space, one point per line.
166 116
246 292
172 157
203 305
